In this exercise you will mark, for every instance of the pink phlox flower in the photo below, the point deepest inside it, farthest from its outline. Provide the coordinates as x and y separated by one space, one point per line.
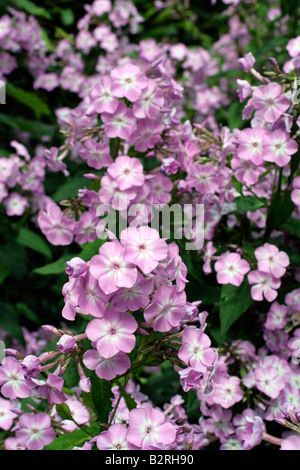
149 427
57 228
210 250
96 154
278 147
264 285
244 89
203 178
252 432
245 171
15 204
143 247
231 269
119 124
12 380
176 268
271 260
247 62
161 187
52 389
7 415
110 193
54 162
135 297
111 269
106 368
79 412
276 341
219 422
128 81
91 299
70 292
147 134
295 195
251 145
127 172
167 308
85 228
269 101
227 392
195 350
170 166
293 46
35 431
150 101
268 380
30 366
115 439
21 150
291 443
276 317
102 98
190 379
113 333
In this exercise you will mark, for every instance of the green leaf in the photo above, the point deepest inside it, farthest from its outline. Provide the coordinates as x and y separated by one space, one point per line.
34 241
32 8
152 360
271 45
234 301
9 321
293 255
130 402
68 441
38 128
71 375
114 145
102 395
31 100
67 16
64 411
292 226
57 267
14 258
235 120
208 294
238 186
280 210
249 203
192 405
90 249
162 386
24 310
69 188
289 8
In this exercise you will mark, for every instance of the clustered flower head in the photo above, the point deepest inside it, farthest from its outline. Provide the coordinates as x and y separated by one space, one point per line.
145 128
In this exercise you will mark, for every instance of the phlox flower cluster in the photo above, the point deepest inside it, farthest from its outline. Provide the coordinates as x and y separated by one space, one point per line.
146 130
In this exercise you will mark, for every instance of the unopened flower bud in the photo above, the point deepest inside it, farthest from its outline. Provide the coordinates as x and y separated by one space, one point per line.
51 329
47 356
76 267
66 344
85 384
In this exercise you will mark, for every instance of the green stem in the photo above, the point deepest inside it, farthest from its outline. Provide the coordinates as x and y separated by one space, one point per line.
118 402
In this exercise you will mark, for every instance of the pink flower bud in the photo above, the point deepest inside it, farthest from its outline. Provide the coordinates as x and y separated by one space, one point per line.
76 267
66 344
51 329
85 384
47 356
